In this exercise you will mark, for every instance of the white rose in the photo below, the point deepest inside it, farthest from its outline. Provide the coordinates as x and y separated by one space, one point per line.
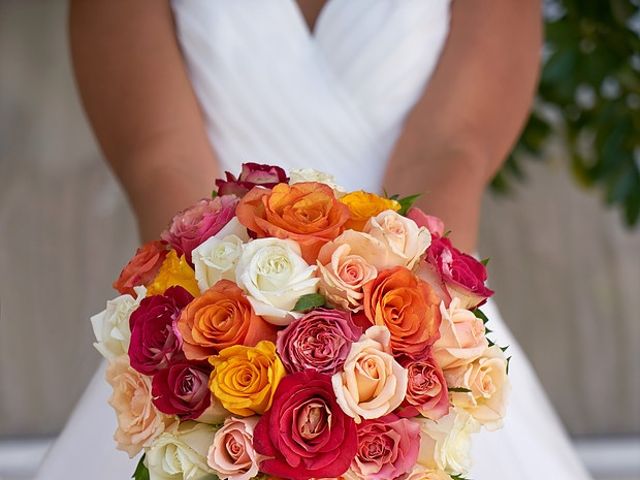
401 235
489 386
445 444
274 275
372 383
181 454
111 326
301 175
216 258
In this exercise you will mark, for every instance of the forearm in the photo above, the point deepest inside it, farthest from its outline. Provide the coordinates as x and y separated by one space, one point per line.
138 97
472 111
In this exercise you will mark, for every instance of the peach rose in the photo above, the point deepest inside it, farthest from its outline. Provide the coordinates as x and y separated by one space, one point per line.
221 317
308 213
401 235
407 306
421 473
232 455
343 276
372 383
462 336
487 380
139 421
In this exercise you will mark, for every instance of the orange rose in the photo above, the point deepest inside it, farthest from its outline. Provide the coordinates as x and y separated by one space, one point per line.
308 213
407 306
221 317
142 268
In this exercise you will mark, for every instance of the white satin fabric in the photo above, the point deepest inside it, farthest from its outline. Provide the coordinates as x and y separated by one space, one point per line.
334 100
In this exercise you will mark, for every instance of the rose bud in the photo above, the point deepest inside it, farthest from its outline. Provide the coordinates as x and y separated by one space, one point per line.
252 175
319 341
182 389
142 268
305 434
455 274
427 392
387 448
154 337
198 223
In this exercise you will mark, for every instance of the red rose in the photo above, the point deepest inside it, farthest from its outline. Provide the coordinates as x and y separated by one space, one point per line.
456 274
182 389
198 223
252 174
427 392
155 339
142 268
387 448
305 434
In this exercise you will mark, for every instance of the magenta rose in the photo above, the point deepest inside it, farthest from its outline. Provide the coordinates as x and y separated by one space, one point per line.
318 341
427 392
387 448
252 175
456 274
305 434
182 389
198 223
155 339
431 223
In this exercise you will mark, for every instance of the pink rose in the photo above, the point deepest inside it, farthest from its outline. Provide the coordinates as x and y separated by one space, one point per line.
387 448
305 434
139 421
182 389
198 223
155 339
232 455
455 273
462 337
431 223
253 174
427 393
318 341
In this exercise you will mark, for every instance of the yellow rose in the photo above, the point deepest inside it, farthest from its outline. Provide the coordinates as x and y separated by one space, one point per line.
244 379
363 205
174 271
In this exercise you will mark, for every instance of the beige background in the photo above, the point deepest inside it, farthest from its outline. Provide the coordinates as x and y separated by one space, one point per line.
566 272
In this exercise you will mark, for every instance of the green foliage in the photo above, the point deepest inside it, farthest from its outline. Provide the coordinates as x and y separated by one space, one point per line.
459 390
589 97
142 472
309 302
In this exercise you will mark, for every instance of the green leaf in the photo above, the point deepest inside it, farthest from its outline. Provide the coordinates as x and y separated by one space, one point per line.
479 314
407 202
485 261
309 302
142 472
459 390
458 477
508 363
214 194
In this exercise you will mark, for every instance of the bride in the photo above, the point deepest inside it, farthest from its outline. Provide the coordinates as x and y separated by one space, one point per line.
413 95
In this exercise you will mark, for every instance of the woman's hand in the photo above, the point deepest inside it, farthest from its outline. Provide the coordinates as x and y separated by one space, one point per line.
472 111
135 89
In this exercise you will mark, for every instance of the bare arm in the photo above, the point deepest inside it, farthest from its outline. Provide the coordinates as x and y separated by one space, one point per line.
135 89
470 115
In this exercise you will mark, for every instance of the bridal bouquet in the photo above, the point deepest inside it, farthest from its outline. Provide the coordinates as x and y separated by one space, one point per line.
285 328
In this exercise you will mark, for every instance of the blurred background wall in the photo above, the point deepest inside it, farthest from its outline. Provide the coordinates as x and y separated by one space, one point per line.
566 271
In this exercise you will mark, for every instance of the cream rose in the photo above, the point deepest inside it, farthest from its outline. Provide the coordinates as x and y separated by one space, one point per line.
182 453
343 275
421 473
139 422
401 235
302 175
372 383
217 257
274 275
489 386
232 455
462 336
445 444
111 326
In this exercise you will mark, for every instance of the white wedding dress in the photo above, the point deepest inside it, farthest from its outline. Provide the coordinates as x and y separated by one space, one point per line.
334 100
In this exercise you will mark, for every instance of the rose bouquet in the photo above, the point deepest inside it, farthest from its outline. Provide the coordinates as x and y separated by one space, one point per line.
285 328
